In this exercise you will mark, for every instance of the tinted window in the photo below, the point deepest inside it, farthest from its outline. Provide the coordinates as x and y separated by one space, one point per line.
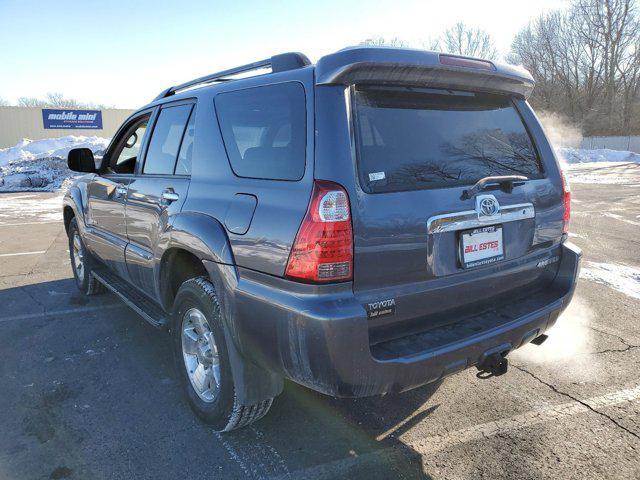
183 167
264 131
165 140
412 139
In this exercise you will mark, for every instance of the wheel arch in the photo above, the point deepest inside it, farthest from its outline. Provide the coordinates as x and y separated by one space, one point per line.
74 204
198 243
176 267
67 214
191 239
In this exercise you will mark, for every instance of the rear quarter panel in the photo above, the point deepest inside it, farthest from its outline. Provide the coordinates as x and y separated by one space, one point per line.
280 205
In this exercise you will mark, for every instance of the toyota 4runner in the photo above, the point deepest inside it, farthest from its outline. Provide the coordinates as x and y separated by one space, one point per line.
368 224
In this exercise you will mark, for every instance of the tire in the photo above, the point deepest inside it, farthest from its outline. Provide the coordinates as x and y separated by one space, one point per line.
83 266
203 364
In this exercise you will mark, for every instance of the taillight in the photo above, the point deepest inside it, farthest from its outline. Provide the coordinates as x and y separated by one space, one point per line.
323 249
566 193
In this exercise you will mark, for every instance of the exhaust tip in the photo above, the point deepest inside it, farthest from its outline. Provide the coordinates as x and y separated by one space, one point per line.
540 339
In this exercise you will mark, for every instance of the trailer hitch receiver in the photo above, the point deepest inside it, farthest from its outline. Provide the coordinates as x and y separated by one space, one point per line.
493 365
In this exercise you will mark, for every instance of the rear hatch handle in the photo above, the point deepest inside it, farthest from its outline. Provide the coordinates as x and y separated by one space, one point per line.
506 183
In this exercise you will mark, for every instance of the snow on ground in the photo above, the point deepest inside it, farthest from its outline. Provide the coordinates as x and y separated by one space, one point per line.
579 155
602 166
42 164
623 278
30 208
609 173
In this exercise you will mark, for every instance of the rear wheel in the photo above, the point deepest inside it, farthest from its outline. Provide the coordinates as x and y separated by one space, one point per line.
82 263
202 359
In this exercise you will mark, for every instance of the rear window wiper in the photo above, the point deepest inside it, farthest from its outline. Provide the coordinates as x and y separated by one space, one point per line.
506 183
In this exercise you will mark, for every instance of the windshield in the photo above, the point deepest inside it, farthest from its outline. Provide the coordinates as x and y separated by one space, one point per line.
410 139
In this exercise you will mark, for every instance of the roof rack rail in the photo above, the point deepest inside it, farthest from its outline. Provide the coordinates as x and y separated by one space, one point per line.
278 63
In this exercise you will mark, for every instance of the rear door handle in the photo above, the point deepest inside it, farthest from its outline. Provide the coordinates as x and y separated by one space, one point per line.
168 196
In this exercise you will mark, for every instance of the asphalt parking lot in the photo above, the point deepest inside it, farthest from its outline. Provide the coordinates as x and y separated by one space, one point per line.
87 388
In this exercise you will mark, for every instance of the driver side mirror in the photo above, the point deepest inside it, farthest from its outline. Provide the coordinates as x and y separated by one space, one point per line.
81 160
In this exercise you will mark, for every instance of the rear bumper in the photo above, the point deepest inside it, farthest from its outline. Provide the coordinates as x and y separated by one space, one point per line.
318 335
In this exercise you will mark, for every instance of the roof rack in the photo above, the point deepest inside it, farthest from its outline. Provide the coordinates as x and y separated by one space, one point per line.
278 63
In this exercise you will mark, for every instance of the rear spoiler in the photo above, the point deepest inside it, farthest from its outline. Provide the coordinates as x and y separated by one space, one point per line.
406 67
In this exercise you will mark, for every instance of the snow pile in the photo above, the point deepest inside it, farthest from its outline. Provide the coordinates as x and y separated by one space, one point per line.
623 278
578 155
612 167
42 164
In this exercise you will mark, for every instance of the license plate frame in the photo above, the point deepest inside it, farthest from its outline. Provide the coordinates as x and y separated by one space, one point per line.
472 252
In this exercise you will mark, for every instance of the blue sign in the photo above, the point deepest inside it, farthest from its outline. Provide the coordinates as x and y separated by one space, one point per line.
72 119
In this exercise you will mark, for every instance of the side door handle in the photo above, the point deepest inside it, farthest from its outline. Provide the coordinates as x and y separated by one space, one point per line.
169 196
121 190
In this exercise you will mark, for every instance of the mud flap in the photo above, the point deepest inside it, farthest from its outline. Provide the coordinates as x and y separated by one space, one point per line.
253 384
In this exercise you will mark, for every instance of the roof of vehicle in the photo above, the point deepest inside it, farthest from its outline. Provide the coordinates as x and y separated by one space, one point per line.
376 65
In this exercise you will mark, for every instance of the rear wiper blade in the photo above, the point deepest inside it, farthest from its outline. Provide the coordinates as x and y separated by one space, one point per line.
506 183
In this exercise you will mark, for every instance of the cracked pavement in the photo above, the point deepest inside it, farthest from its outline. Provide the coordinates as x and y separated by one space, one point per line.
89 391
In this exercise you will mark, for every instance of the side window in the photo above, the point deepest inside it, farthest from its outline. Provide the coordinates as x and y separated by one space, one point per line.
128 147
165 140
183 166
264 130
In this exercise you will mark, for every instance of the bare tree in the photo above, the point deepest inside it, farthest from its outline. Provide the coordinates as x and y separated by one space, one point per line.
31 102
586 62
57 100
428 44
433 44
472 42
614 26
458 39
385 42
3 102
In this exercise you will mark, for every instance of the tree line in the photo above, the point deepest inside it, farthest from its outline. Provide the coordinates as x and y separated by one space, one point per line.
586 63
585 60
53 100
460 39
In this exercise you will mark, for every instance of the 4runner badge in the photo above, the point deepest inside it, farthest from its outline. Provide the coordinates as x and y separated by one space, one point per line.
383 307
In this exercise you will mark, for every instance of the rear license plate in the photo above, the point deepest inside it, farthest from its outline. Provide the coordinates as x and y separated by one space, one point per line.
481 246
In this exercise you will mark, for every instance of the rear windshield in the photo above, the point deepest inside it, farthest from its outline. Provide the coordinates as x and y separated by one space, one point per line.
411 139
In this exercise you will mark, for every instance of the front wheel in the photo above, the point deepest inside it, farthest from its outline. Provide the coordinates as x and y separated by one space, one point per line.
202 359
82 262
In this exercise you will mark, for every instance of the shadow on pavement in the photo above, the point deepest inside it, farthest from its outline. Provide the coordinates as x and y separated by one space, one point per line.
92 393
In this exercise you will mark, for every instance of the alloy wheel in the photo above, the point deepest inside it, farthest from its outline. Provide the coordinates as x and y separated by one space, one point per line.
200 354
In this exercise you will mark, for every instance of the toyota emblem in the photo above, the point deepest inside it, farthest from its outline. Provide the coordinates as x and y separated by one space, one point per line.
487 206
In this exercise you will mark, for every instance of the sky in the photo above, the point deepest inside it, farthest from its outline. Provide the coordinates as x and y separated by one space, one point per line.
123 53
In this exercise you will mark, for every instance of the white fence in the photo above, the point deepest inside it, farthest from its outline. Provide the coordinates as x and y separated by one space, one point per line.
632 144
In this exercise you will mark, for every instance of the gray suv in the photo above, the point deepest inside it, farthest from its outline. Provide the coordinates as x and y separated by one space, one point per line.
365 225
